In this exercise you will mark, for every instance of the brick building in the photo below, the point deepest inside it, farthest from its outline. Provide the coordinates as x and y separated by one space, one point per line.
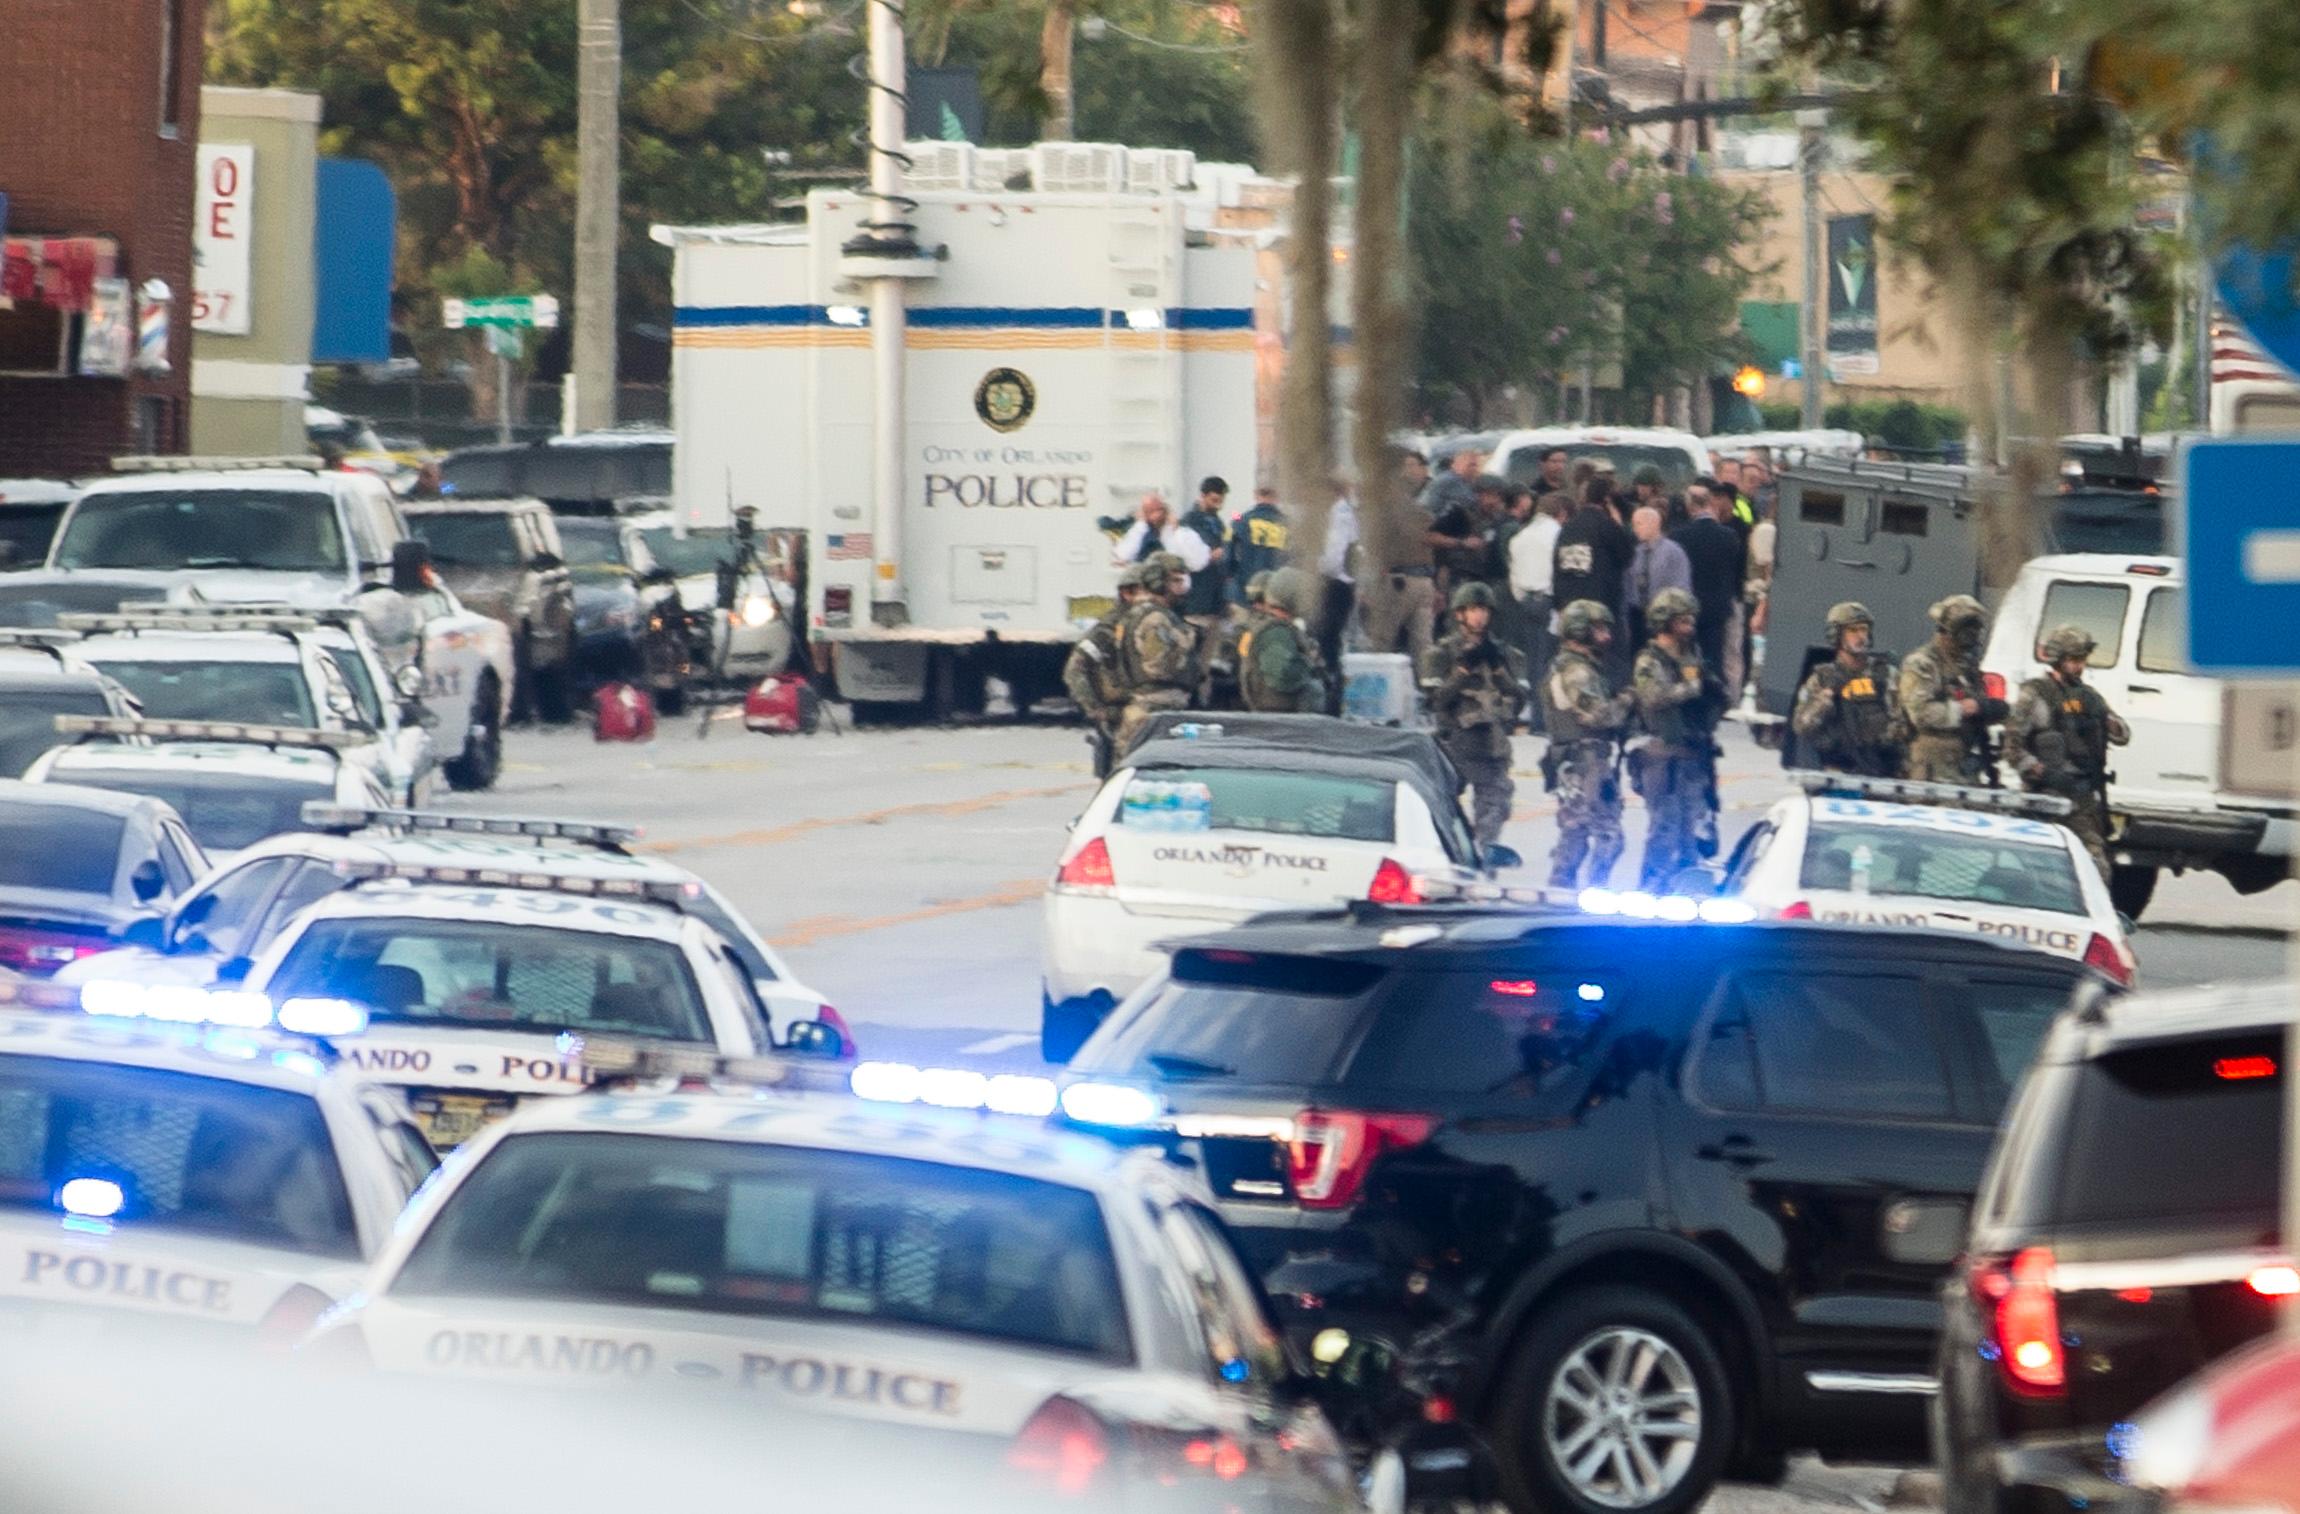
99 132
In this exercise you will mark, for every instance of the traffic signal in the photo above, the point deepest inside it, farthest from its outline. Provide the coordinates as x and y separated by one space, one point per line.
1749 382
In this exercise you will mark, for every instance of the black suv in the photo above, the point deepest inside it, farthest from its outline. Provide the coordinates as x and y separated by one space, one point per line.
2126 1235
1647 1202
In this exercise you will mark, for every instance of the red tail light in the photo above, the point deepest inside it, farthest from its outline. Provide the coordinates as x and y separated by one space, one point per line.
1331 1152
1796 909
1993 685
1063 1448
2027 1315
1089 872
2104 954
1392 885
1218 1454
291 1319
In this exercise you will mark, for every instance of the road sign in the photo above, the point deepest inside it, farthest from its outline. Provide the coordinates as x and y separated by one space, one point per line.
2239 530
505 310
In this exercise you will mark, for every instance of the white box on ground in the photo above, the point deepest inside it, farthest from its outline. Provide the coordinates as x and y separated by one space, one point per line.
1378 688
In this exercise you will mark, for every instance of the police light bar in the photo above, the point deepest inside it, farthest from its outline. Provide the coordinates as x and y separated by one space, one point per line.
231 731
609 1060
1631 904
954 1088
189 1004
199 620
269 614
39 640
302 463
1947 795
645 890
343 819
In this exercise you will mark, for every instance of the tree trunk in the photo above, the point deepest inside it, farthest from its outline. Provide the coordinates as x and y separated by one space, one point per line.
1380 307
1055 51
1295 52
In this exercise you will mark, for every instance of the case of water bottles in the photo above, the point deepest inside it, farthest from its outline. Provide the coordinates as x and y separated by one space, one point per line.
1154 805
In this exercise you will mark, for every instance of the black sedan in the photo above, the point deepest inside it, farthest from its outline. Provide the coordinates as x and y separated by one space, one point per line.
78 865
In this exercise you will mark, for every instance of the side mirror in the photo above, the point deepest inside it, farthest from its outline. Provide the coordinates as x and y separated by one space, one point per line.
409 682
147 881
812 1038
544 562
1498 857
1924 1232
234 969
147 932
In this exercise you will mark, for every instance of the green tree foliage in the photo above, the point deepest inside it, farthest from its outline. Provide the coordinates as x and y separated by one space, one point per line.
1537 257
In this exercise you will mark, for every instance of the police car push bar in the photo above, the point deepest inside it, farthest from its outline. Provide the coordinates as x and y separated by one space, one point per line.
1947 795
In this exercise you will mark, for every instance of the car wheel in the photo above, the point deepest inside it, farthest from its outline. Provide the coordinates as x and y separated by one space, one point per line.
481 761
1064 1025
1617 1401
2130 888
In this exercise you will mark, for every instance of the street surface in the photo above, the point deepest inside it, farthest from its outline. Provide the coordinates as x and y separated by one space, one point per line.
900 871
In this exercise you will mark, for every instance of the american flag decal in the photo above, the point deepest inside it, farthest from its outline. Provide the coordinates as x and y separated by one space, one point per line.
854 546
2236 358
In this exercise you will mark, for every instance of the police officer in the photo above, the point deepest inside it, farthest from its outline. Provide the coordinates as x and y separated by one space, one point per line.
1845 712
1091 673
1678 703
1945 710
1278 666
1476 686
2058 735
1585 720
1157 648
1222 649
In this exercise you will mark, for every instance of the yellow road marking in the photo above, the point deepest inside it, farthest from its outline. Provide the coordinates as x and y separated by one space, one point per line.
819 928
775 835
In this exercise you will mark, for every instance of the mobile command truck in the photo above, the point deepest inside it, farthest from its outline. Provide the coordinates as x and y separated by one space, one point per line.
1064 353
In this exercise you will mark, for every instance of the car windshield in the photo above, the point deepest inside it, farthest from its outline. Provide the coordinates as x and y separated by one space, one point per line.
696 553
277 530
223 811
482 976
189 1153
1930 864
1270 800
262 693
364 694
479 540
25 532
847 1238
592 544
1265 1019
59 847
28 718
1675 463
2193 1130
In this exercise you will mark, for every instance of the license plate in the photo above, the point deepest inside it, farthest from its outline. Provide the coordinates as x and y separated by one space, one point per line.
457 1119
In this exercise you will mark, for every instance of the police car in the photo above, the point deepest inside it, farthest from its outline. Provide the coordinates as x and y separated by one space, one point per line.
1882 851
1208 821
965 1283
484 979
39 680
233 783
270 668
179 1162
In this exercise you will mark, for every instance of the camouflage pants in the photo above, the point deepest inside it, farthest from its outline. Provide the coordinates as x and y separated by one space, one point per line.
2090 826
1142 706
1491 790
1934 758
1676 803
1588 819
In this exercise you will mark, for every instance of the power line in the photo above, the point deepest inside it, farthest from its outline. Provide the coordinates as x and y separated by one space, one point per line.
1107 24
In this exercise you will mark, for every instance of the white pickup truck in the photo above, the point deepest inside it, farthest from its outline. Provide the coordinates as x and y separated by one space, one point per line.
2176 800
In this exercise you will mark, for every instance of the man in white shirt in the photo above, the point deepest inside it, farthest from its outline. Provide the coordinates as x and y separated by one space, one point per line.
1154 531
1532 570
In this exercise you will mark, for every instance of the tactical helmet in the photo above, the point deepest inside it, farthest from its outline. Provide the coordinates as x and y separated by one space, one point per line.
1472 594
1289 589
1958 609
1258 587
1162 568
2065 642
1669 605
1846 615
1131 576
1580 620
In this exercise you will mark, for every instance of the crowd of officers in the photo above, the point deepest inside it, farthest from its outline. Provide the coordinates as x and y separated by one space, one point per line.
1629 681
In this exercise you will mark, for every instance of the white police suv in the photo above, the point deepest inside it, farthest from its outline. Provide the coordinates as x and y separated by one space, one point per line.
1880 851
175 1161
483 978
1065 1316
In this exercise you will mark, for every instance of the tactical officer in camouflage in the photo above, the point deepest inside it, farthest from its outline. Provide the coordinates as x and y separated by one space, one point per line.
1679 705
2058 735
1845 712
1278 666
1224 672
1157 648
1945 710
1092 676
1585 720
1476 687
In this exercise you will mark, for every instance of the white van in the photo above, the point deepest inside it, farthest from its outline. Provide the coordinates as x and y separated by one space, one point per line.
2169 794
1680 455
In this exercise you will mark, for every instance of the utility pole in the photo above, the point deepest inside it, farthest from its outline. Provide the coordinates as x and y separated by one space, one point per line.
598 211
1813 327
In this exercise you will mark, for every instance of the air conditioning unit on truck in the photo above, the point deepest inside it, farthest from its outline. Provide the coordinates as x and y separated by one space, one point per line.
1065 353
